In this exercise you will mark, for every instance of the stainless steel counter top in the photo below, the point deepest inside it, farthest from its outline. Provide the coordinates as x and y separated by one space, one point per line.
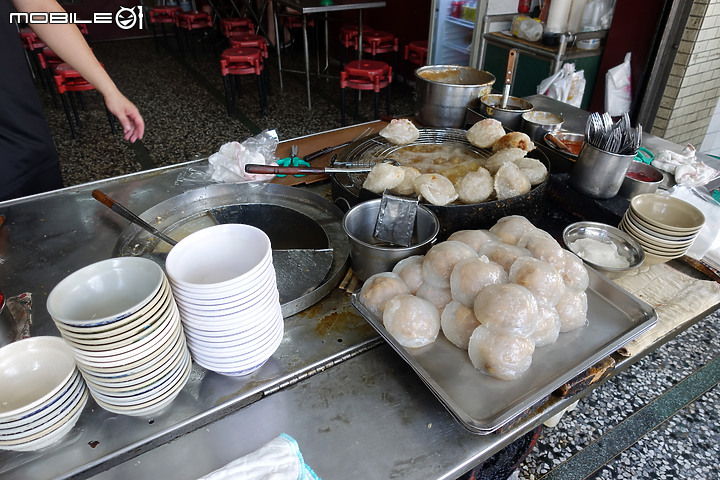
349 400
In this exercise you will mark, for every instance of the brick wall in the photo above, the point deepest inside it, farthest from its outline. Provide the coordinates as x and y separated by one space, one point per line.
693 88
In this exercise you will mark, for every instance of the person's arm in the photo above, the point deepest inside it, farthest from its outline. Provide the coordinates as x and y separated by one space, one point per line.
69 44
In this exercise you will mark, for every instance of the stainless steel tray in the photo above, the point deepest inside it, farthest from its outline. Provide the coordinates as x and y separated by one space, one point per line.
481 403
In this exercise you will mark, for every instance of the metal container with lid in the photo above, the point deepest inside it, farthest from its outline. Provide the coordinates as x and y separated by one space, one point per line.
444 93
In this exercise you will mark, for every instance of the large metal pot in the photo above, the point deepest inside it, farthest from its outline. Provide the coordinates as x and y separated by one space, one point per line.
444 92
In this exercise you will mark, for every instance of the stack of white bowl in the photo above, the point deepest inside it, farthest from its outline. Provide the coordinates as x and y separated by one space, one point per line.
42 394
224 283
123 327
665 226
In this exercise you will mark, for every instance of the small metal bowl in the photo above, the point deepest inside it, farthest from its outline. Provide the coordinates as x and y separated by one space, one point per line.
627 246
537 124
633 186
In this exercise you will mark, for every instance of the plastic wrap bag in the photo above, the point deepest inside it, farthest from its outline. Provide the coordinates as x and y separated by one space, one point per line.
228 164
687 169
566 85
618 92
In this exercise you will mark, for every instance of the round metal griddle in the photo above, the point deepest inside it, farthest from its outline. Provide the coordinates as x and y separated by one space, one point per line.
453 217
291 217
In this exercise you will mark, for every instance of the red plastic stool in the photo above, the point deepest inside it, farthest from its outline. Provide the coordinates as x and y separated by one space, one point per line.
236 25
241 61
48 61
415 53
365 75
68 80
250 40
348 38
162 15
188 21
377 42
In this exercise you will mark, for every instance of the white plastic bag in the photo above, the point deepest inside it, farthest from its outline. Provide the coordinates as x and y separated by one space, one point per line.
228 164
566 85
618 92
710 208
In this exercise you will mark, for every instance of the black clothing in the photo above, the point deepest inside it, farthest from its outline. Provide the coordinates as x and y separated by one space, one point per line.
28 159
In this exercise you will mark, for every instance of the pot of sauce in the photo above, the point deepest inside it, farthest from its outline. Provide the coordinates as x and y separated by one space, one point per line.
444 93
510 116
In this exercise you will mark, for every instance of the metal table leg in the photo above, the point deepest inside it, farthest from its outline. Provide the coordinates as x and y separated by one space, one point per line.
277 43
307 59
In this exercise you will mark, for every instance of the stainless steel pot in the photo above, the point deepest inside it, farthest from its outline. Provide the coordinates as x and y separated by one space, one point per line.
444 93
510 116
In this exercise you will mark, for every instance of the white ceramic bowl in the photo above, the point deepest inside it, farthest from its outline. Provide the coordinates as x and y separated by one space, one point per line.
668 213
236 287
655 235
105 292
658 231
32 372
218 256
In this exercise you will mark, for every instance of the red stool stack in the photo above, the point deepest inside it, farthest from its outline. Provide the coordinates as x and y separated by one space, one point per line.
365 75
163 15
67 81
348 38
48 61
241 61
376 43
415 53
250 40
236 26
187 22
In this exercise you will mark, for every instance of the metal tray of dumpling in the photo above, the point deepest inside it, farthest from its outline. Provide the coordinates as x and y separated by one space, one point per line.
482 403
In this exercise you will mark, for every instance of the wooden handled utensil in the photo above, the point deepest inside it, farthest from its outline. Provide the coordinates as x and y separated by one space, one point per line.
512 61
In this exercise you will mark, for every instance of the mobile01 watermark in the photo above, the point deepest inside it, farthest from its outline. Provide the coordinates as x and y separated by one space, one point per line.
125 18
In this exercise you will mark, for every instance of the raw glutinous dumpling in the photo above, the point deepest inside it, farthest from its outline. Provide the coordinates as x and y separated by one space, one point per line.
400 131
471 275
380 288
498 159
458 322
543 246
507 308
575 274
535 171
435 188
383 176
475 187
411 320
548 326
500 355
485 133
475 239
514 140
410 270
503 254
541 278
438 296
510 182
572 309
510 229
407 186
441 259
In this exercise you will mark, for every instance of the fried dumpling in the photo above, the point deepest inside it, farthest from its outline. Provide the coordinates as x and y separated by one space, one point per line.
507 308
412 321
400 131
502 157
383 176
407 186
485 133
380 288
471 275
410 270
514 140
441 259
510 182
535 171
435 188
500 355
475 187
457 323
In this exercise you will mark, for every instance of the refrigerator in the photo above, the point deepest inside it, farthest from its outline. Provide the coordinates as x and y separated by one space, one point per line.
456 32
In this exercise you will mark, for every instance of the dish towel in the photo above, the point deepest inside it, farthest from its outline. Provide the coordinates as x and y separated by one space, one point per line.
279 459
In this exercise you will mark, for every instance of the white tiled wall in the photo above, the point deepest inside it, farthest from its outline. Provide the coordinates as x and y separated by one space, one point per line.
711 142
